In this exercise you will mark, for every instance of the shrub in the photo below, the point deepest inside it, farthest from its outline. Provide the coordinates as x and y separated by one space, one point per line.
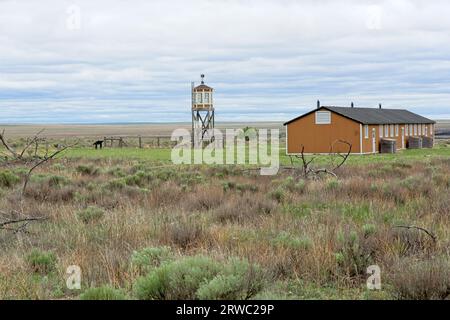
185 233
278 194
116 184
243 208
150 258
333 184
55 180
103 293
42 262
88 170
178 280
205 198
91 214
428 279
285 239
355 252
8 179
240 280
200 277
368 229
117 172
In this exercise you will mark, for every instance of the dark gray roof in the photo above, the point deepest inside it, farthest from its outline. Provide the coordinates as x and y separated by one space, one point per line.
375 115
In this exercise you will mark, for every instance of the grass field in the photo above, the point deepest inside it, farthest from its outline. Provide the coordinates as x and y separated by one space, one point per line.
141 228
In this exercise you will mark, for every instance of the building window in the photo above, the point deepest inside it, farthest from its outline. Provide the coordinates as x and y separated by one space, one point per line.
392 130
380 129
206 97
420 129
396 130
426 131
386 130
406 130
415 129
323 117
431 129
366 131
199 98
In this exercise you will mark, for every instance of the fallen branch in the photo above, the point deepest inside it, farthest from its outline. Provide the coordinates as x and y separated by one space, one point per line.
420 229
25 222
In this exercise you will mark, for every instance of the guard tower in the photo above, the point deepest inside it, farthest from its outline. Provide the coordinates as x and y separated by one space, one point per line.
202 112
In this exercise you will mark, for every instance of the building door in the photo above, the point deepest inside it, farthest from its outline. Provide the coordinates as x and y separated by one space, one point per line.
373 141
403 137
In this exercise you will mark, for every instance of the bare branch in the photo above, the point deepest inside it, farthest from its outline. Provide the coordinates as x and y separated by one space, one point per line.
28 145
42 161
6 145
433 236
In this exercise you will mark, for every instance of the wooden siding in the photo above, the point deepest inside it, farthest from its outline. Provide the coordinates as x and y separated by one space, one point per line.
318 138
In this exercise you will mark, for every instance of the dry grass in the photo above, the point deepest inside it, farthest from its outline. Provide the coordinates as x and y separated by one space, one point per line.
307 236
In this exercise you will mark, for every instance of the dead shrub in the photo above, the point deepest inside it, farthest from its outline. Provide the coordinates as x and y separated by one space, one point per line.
243 208
410 241
47 192
185 233
419 280
204 198
169 193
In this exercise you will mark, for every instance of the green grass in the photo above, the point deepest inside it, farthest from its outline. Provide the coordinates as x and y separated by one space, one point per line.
164 155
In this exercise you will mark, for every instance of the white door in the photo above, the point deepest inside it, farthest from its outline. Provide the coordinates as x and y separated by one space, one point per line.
403 137
373 141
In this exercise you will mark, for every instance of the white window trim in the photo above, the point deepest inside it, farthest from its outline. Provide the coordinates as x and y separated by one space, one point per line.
396 130
380 129
386 130
406 130
415 129
366 131
391 129
431 129
323 113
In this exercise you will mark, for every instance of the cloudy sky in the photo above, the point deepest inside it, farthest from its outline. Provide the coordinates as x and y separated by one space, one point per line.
133 61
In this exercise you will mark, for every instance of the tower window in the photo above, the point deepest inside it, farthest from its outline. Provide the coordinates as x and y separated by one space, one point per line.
199 98
206 97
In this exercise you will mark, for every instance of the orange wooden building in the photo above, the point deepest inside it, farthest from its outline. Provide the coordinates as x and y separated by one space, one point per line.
364 128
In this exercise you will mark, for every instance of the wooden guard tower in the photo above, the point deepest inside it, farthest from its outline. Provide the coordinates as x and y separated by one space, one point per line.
202 112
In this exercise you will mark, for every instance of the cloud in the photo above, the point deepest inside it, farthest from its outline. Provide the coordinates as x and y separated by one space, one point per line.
133 61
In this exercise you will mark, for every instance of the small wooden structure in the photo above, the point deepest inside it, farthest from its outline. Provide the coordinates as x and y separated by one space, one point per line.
388 146
415 143
427 142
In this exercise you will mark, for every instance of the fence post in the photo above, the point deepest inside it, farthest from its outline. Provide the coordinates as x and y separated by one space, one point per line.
140 142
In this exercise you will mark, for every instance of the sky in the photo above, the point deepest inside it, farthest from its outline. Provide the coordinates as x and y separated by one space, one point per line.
270 60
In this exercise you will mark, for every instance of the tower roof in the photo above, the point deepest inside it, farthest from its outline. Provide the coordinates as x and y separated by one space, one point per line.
203 87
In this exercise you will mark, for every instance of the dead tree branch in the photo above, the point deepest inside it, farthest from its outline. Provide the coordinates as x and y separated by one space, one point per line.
433 236
24 222
307 169
41 162
6 145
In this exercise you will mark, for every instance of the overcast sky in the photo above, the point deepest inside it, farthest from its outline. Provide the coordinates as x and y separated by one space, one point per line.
133 61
